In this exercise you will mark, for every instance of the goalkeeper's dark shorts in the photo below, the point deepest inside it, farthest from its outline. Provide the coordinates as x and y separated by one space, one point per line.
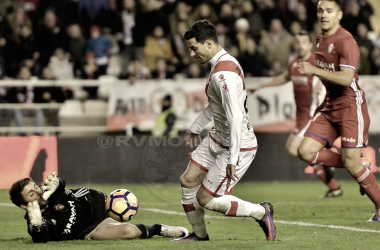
98 211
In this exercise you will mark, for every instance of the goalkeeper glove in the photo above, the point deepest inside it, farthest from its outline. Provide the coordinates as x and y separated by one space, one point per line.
34 214
50 185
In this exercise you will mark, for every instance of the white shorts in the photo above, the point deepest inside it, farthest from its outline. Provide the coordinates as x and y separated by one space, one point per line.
212 157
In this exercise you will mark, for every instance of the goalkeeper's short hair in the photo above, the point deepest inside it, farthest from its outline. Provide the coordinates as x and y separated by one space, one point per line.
16 189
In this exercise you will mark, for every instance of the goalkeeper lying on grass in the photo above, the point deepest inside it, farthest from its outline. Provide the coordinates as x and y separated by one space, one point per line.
55 213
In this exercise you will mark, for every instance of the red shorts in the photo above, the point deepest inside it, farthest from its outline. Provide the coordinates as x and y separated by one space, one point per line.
346 119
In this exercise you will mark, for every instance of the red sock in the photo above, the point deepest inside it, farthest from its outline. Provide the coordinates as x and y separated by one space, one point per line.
368 182
319 171
327 158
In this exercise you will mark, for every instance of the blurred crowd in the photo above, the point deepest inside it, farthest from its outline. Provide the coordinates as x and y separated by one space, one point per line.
86 39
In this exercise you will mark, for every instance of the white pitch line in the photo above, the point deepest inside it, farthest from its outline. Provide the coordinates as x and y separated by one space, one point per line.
304 224
7 204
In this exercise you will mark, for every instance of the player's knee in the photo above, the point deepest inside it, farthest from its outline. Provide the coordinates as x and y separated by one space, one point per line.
293 151
127 233
304 153
352 165
189 181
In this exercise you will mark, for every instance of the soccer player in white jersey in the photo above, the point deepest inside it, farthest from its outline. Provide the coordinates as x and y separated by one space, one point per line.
222 158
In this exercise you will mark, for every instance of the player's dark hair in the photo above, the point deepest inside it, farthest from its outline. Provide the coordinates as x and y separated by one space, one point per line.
201 30
16 189
305 33
337 2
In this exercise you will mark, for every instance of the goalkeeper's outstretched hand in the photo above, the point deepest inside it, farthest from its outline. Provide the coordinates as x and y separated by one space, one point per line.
34 214
50 185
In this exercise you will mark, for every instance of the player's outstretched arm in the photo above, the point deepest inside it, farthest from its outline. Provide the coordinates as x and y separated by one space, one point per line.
343 77
278 80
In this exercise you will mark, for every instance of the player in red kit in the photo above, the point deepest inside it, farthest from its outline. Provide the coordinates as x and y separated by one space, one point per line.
308 94
344 112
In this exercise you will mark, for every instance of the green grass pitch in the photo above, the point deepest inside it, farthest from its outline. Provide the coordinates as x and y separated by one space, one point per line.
303 220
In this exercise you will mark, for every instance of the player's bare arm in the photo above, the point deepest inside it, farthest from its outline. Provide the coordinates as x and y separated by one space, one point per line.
278 80
343 77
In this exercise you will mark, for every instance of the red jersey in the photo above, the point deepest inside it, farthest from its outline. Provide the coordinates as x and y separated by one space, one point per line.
335 51
304 95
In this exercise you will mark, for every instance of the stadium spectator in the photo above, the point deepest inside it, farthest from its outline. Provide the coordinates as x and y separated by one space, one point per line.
67 11
131 33
49 37
270 11
16 20
315 32
252 14
362 37
60 65
76 47
194 71
375 61
25 95
138 71
277 44
91 71
181 14
48 213
276 68
179 47
93 13
295 28
25 44
241 35
353 17
301 16
101 47
223 38
253 62
162 70
47 94
166 122
5 114
157 46
227 18
204 11
365 47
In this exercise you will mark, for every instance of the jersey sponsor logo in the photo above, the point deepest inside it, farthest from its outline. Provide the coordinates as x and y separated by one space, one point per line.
72 218
299 80
326 66
348 139
59 207
331 47
225 88
221 77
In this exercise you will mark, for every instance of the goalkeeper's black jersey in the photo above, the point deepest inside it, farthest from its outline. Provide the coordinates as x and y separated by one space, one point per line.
71 214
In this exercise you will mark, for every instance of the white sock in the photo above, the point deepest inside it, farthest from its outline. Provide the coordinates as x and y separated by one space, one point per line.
195 212
233 206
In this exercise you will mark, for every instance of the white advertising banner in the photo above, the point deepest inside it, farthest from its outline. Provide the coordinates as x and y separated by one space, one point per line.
271 110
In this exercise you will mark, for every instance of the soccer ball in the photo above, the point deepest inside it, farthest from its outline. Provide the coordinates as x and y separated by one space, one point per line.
122 205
